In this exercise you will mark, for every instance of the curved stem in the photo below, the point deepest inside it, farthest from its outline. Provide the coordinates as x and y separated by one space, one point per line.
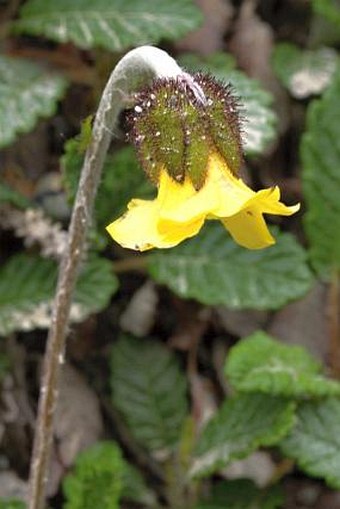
134 70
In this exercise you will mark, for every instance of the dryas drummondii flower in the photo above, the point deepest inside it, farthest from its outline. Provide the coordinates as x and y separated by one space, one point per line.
187 134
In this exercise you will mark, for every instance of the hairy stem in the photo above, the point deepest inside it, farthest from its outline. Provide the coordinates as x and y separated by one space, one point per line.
134 70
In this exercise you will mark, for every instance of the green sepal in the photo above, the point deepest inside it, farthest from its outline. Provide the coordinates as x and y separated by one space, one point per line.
197 149
175 127
223 123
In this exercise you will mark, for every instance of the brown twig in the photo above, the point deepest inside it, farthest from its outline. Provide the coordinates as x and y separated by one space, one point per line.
334 324
134 70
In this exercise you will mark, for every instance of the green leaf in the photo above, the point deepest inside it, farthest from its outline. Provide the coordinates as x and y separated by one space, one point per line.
96 285
27 287
12 503
134 487
242 424
149 390
97 480
26 282
213 269
321 179
112 24
242 494
330 9
304 72
123 179
9 195
27 92
261 364
260 126
315 440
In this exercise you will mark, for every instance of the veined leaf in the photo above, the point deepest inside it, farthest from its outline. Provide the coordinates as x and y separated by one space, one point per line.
101 477
260 120
95 286
242 494
261 364
27 286
321 179
112 24
304 72
243 423
213 269
149 390
27 92
315 440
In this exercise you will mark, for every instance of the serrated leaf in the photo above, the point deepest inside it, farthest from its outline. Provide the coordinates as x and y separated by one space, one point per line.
27 92
97 479
149 390
112 24
213 269
259 128
242 494
123 179
96 285
304 72
242 424
315 440
321 179
261 364
101 477
27 286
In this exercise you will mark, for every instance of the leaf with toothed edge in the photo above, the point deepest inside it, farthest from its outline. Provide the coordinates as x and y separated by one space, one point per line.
213 269
304 72
149 390
27 287
242 424
258 363
314 442
320 155
112 24
27 92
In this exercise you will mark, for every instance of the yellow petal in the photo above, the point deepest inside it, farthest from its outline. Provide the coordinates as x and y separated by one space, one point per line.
221 195
267 200
249 229
139 228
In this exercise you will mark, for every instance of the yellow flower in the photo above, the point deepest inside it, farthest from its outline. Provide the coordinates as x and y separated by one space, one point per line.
179 211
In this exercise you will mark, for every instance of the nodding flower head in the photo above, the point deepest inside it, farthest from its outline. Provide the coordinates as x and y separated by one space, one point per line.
176 123
187 133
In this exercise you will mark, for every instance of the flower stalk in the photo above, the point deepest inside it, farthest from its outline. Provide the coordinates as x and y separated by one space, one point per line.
135 70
